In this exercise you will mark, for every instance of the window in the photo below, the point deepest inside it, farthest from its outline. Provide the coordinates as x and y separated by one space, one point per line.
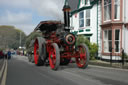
88 17
81 19
71 21
107 10
117 40
83 1
117 9
87 2
107 40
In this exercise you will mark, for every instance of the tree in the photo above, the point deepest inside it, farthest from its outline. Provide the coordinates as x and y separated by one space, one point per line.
10 37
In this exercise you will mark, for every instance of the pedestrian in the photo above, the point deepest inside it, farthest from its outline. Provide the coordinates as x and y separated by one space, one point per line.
1 54
9 54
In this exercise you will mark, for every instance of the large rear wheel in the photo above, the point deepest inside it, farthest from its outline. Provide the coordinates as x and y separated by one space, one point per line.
83 59
39 52
54 56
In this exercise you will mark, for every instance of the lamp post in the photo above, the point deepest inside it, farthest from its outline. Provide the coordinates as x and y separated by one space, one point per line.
20 41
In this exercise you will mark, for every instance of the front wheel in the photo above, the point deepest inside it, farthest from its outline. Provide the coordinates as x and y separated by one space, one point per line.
83 59
54 56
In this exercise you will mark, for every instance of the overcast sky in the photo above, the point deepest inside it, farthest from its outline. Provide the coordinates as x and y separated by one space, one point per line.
26 14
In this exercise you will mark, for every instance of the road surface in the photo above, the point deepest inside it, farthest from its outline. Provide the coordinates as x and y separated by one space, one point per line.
22 72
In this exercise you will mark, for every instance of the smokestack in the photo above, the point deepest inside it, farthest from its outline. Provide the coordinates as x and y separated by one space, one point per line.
66 11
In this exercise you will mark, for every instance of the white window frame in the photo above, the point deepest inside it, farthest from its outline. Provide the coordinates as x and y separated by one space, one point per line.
117 40
87 2
107 5
80 19
118 9
106 41
88 18
83 2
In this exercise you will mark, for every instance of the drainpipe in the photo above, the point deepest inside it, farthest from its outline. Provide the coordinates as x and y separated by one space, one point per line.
97 25
124 22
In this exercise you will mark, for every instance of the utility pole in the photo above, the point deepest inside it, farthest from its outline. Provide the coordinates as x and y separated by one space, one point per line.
20 41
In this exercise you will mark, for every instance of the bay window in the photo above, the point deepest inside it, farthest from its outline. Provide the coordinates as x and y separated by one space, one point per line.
107 10
117 40
81 19
117 9
88 17
107 40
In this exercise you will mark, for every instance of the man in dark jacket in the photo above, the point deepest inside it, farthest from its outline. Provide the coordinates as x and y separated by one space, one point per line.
9 54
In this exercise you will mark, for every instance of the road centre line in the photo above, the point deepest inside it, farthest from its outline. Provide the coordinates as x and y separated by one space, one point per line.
2 69
3 82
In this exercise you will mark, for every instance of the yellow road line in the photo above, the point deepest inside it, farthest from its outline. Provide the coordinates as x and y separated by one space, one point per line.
2 69
3 82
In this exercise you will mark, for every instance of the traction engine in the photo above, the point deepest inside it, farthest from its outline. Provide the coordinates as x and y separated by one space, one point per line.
58 45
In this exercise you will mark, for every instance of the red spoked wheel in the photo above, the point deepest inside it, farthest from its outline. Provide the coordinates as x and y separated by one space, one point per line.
36 52
54 56
83 59
37 56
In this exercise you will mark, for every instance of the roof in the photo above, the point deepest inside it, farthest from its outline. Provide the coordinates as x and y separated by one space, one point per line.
47 25
73 4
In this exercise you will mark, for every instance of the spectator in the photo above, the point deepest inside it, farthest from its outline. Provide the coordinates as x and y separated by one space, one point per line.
5 54
1 54
9 54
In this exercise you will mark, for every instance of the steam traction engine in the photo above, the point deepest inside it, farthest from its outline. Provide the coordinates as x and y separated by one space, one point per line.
57 44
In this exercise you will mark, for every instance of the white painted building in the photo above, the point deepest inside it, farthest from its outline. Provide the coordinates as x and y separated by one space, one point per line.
104 22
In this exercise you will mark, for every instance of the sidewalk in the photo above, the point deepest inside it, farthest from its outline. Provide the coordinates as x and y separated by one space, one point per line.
108 64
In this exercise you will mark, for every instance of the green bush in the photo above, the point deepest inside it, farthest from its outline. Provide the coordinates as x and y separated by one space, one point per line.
93 48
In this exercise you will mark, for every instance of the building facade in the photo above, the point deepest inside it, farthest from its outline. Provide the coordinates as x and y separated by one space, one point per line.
104 22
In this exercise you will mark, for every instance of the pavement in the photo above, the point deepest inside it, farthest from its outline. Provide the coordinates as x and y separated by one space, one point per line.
108 64
22 72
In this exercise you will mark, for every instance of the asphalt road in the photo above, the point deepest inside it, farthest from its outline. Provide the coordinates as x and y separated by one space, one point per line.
22 72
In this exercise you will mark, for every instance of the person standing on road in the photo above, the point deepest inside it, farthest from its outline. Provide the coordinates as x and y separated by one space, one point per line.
9 54
1 54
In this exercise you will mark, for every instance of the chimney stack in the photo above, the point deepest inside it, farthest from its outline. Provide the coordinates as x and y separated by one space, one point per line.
66 11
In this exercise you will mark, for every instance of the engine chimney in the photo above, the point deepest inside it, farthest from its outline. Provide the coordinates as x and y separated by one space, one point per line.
66 11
